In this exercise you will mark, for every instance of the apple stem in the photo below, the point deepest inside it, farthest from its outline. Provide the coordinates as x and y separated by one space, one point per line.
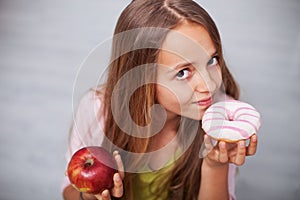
89 162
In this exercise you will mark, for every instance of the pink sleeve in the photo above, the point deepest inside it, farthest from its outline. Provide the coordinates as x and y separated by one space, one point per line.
231 181
87 128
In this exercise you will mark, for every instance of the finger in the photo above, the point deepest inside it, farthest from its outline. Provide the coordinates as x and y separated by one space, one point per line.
119 163
223 155
208 143
207 146
105 195
98 196
241 153
251 149
117 190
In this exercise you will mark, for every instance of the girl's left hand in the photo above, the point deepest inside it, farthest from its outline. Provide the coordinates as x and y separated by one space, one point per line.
225 152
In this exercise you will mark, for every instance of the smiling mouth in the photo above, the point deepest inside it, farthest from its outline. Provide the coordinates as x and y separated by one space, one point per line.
204 102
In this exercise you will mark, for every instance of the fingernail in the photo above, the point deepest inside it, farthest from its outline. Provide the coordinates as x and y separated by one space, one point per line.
116 152
222 145
105 193
117 177
254 138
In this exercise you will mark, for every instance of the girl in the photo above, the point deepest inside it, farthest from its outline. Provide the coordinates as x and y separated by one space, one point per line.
167 68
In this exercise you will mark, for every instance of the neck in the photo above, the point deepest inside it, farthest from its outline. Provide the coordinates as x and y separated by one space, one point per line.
167 134
164 144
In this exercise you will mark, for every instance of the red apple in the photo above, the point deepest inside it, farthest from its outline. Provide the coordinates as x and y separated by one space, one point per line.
91 170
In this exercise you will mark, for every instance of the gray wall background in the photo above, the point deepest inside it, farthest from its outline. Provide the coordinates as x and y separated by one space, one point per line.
43 43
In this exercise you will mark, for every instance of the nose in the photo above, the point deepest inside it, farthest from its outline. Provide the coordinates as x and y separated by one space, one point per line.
205 83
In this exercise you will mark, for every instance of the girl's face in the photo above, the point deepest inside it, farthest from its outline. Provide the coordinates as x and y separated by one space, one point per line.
188 72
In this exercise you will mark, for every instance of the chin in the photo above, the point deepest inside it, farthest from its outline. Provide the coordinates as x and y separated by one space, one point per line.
195 116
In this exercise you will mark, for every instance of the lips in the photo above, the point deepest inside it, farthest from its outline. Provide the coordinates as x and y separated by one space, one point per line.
205 102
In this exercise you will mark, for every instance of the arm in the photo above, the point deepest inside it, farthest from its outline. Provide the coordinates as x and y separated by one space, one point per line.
214 181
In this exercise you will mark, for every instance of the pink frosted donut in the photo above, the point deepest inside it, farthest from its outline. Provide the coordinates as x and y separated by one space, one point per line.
231 120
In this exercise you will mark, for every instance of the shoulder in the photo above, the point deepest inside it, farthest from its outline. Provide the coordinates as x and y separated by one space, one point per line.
93 98
88 121
90 108
90 104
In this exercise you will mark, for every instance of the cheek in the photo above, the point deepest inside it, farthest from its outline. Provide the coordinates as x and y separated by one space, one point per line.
166 97
172 99
216 76
175 94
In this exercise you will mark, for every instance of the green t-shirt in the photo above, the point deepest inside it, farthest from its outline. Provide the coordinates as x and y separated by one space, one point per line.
145 184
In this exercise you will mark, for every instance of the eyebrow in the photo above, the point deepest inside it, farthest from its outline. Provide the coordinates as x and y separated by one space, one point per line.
183 64
179 66
214 54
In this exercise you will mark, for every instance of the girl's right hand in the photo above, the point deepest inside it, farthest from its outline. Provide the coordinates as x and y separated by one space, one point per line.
117 191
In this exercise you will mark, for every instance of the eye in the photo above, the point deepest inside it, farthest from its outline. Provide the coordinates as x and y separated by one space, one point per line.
213 61
183 74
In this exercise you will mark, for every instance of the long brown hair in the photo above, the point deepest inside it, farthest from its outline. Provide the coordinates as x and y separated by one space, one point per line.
184 178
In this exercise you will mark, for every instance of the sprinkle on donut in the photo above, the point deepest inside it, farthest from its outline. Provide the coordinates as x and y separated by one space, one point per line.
231 120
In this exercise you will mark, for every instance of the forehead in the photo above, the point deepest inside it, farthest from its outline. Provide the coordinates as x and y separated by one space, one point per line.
188 41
